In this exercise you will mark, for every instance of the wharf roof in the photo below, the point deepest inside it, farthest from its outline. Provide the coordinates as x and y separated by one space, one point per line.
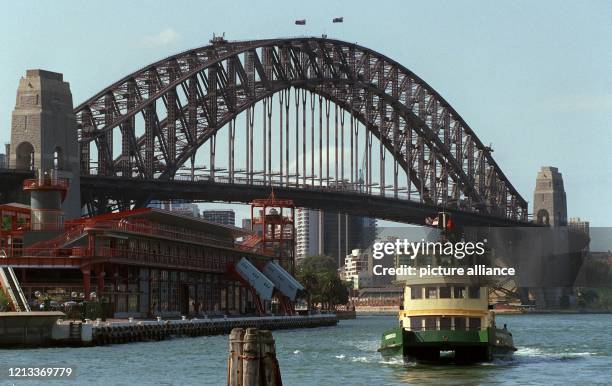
15 205
162 216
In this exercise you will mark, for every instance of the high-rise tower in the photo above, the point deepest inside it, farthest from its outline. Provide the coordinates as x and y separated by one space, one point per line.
332 234
44 134
549 202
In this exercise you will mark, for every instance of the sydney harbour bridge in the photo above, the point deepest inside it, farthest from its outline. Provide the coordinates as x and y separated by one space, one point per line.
330 124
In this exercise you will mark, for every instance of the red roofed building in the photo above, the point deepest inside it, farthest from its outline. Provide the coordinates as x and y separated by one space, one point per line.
144 262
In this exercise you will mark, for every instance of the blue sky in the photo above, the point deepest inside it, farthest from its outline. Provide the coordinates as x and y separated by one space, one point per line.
534 79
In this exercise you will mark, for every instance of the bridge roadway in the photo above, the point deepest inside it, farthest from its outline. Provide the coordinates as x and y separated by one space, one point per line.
325 198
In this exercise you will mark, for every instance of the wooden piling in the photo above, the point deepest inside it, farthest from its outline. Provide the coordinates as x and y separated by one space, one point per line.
271 370
252 359
234 361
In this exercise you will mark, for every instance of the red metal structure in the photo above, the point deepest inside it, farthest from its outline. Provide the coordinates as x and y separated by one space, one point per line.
273 221
15 219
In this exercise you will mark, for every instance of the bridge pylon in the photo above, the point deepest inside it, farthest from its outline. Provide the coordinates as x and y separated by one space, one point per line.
44 132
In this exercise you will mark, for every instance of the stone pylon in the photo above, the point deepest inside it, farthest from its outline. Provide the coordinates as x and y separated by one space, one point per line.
549 201
44 132
550 208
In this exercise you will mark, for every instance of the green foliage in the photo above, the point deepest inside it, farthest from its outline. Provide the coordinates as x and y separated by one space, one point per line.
4 302
319 263
319 276
6 223
587 297
595 298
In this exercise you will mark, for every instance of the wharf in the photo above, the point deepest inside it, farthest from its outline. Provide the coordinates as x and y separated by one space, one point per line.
98 333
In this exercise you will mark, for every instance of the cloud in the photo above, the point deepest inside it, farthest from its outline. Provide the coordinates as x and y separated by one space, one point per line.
582 103
165 37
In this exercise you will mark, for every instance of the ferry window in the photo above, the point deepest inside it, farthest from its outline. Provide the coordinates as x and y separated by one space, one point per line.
459 323
430 323
431 292
445 292
474 323
445 323
416 292
416 324
474 292
458 292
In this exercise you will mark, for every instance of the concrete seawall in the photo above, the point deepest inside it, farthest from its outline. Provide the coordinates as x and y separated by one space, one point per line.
28 329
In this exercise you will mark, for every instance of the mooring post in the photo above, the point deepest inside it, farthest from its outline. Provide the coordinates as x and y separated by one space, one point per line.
234 360
251 358
271 370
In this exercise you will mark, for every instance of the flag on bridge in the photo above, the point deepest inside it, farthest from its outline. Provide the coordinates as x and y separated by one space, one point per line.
338 19
300 22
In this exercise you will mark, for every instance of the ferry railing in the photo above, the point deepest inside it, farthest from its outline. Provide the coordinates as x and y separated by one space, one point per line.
453 328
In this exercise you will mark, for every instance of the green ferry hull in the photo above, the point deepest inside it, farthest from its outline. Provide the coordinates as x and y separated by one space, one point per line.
448 346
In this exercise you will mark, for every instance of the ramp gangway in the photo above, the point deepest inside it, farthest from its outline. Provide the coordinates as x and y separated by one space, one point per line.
11 287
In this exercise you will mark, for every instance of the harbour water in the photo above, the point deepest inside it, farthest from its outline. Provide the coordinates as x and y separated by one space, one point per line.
552 349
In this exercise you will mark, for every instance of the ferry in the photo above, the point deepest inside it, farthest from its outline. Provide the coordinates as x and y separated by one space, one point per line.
447 319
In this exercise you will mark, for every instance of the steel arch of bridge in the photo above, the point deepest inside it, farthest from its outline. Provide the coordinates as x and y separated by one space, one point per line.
442 158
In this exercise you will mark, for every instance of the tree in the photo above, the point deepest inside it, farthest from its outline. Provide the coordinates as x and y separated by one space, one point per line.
310 281
319 276
586 297
318 263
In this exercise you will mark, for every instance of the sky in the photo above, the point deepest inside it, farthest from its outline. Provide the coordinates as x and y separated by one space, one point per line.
533 79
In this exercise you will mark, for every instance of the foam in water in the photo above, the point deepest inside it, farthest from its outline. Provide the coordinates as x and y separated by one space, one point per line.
394 361
534 355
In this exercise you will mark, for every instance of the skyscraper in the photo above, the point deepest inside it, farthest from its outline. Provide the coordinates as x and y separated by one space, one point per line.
182 207
307 234
220 216
332 234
